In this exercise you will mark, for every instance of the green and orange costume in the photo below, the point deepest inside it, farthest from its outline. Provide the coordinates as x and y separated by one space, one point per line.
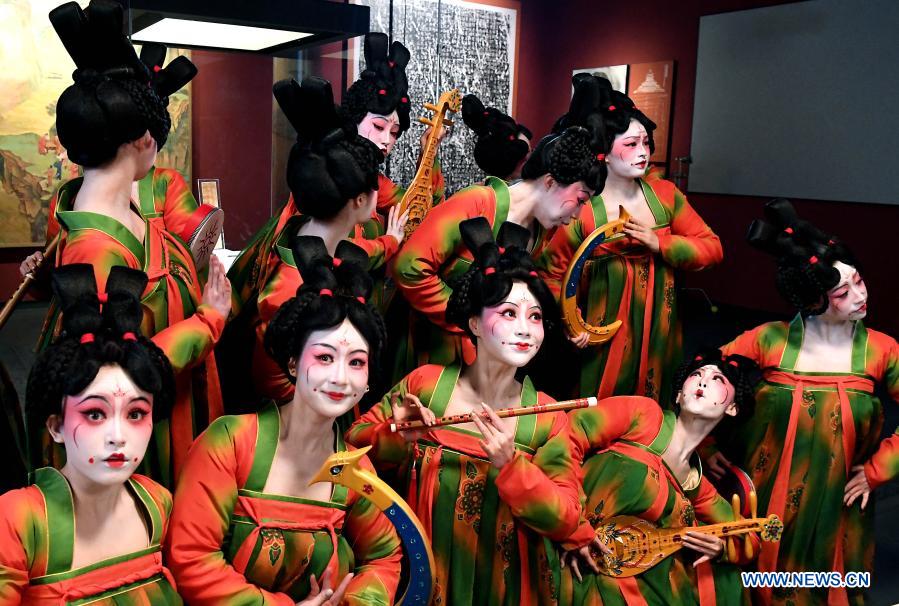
621 442
37 543
232 543
162 192
627 282
264 276
174 319
808 431
489 528
432 258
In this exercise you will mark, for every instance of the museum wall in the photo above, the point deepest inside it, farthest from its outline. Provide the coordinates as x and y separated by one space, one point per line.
558 37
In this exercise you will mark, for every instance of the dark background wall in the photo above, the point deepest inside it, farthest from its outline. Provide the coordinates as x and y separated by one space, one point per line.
232 121
560 36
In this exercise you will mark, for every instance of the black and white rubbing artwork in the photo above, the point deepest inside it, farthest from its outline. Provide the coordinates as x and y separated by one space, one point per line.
454 44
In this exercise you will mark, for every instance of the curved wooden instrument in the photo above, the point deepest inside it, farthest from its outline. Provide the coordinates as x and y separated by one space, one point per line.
6 312
637 544
343 468
571 316
419 197
502 413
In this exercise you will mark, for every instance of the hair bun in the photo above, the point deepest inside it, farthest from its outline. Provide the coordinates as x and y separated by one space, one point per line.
382 86
346 274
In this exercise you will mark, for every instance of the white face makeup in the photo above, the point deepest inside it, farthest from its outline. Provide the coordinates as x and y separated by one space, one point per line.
561 203
332 370
848 300
707 394
512 331
380 130
106 427
630 152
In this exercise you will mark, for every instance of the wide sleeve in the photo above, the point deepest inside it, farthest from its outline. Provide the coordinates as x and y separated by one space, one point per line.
690 244
556 258
377 550
204 503
884 464
417 265
634 418
179 202
389 449
379 248
187 343
747 344
543 492
14 559
711 508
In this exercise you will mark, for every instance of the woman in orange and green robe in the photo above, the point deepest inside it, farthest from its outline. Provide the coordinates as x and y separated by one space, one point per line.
829 423
175 318
37 539
629 283
813 447
632 279
96 233
624 443
92 532
231 543
558 178
489 512
248 527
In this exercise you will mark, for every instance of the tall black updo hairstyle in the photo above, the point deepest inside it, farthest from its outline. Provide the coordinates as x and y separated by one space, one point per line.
169 79
497 265
94 335
742 372
497 149
568 157
576 148
617 110
333 289
115 98
382 87
805 256
330 163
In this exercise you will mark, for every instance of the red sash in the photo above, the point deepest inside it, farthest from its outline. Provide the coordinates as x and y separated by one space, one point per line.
777 505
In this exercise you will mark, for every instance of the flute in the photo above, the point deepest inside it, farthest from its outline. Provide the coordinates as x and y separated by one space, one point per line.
502 413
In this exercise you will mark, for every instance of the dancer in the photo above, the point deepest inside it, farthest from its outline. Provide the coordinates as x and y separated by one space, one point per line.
632 279
813 446
488 492
501 145
378 106
162 191
93 531
557 180
640 461
246 527
111 121
333 174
